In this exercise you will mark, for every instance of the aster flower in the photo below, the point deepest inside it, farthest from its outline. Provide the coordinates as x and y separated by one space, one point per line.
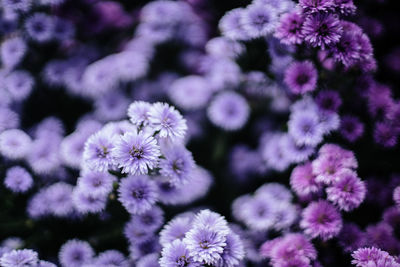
150 260
111 258
176 254
144 247
302 180
223 74
321 219
348 191
385 135
316 6
351 127
322 29
131 65
111 106
96 182
371 256
43 157
97 153
18 179
233 253
205 244
328 101
59 197
212 220
40 27
12 51
289 29
351 237
305 128
19 84
138 113
151 219
190 92
75 253
258 213
275 191
88 202
345 7
14 144
167 121
229 111
137 194
259 20
177 165
8 119
224 47
72 148
301 77
136 153
135 234
296 153
230 25
19 258
175 230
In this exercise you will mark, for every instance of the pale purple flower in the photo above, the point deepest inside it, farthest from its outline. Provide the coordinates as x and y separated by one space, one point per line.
372 256
322 29
259 20
19 258
18 179
138 113
75 253
175 230
88 202
97 153
301 77
12 51
14 144
177 254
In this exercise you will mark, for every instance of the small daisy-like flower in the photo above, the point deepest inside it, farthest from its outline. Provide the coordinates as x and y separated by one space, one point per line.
371 256
138 113
59 197
351 237
167 121
322 29
136 153
97 153
137 194
230 25
75 253
302 180
351 127
258 213
19 258
305 129
19 84
259 20
328 101
301 77
14 144
12 51
233 252
176 254
289 29
210 219
385 134
111 258
177 165
348 191
151 219
316 6
321 219
40 27
175 230
17 6
18 179
96 182
229 111
88 202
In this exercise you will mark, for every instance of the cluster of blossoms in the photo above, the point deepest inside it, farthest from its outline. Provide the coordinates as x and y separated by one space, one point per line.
105 105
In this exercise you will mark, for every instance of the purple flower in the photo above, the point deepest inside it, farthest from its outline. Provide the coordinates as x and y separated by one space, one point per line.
151 219
175 229
17 6
75 253
19 258
322 29
190 92
233 253
205 244
18 179
176 254
321 219
305 129
365 257
296 153
289 29
72 148
229 111
135 234
258 213
130 65
351 237
347 191
144 247
328 101
138 113
345 7
177 165
316 6
150 260
351 127
59 197
111 106
167 121
137 194
97 153
230 25
111 258
8 119
88 202
385 135
224 47
96 182
259 20
19 84
212 220
12 51
136 153
276 191
302 180
40 27
301 77
54 71
14 144
63 29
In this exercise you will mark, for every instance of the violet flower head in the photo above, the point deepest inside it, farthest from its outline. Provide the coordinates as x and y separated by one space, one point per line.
177 165
75 253
111 258
18 179
111 106
259 20
372 256
12 51
348 191
14 144
151 219
385 135
289 29
231 26
328 100
302 180
19 84
88 202
175 230
136 153
234 251
59 197
19 258
322 29
229 111
321 219
167 121
97 153
138 113
96 182
176 254
137 193
301 77
351 128
305 128
316 6
39 27
351 237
